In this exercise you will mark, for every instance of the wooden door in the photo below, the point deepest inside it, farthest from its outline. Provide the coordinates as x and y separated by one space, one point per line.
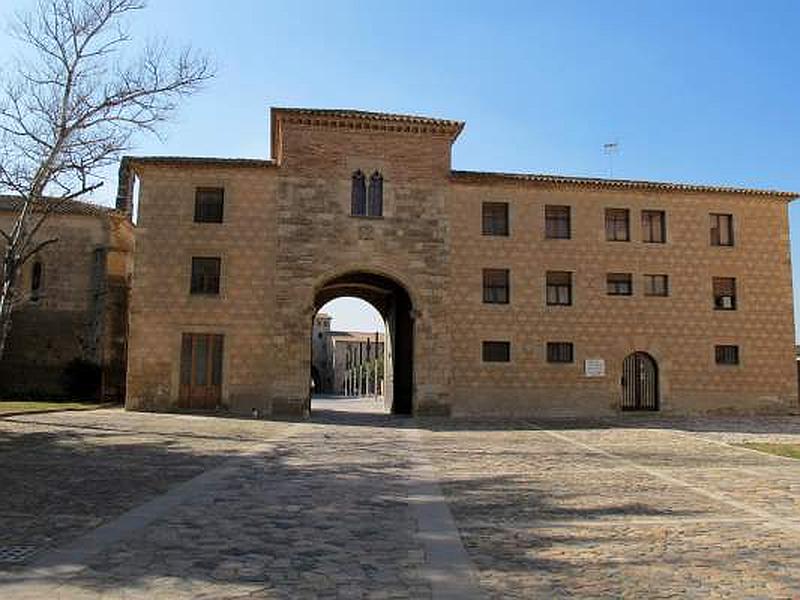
201 370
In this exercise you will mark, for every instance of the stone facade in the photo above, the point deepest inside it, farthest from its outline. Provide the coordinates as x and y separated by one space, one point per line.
288 243
77 309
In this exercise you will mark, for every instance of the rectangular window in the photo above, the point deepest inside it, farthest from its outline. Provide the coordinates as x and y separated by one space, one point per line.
559 288
654 226
496 351
656 285
495 218
557 222
617 225
727 355
559 352
619 284
208 205
495 286
205 275
724 293
721 230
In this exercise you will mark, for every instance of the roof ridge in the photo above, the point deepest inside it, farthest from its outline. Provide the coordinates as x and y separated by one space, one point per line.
368 114
65 206
198 160
620 183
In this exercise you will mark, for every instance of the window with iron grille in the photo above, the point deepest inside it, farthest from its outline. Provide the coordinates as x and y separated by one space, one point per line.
208 205
559 288
724 293
656 285
721 229
494 351
618 225
727 355
619 284
559 352
205 275
496 286
495 218
557 222
654 226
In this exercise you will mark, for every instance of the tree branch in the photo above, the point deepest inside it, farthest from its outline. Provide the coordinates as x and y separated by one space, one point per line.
52 205
36 249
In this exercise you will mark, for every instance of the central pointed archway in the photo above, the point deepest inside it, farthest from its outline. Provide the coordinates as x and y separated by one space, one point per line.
391 299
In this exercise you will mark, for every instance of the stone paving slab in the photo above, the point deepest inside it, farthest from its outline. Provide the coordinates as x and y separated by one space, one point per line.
596 510
349 506
63 474
333 512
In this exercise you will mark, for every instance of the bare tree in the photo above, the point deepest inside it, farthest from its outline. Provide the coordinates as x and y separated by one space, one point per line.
71 109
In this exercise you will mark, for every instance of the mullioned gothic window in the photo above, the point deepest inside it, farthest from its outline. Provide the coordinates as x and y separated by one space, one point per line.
362 203
358 197
375 207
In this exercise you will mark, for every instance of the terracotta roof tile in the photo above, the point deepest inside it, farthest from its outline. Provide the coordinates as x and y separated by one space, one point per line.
199 161
68 207
346 113
489 177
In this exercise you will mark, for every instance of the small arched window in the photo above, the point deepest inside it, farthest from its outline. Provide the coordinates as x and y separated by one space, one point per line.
375 208
358 198
37 273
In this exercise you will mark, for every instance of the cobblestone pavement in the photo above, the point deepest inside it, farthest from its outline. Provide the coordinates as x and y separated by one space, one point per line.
62 474
326 513
650 509
340 507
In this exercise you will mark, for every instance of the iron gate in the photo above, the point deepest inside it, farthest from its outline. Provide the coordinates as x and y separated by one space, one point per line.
639 382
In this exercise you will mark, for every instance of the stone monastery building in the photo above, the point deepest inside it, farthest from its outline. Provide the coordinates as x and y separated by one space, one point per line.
504 294
345 363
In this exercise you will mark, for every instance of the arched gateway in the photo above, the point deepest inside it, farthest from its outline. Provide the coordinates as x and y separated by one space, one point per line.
393 302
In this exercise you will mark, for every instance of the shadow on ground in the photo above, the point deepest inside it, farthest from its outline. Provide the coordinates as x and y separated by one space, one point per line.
325 511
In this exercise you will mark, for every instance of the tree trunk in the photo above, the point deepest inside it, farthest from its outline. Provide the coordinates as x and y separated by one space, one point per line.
10 270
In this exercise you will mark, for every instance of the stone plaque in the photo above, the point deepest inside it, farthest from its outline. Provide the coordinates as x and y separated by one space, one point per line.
594 367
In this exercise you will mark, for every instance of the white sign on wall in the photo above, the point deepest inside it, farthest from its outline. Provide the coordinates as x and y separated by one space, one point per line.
594 367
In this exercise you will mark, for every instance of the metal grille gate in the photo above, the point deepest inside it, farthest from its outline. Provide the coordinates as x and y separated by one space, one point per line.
639 382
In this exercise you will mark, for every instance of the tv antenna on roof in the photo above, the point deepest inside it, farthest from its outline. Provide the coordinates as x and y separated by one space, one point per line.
610 149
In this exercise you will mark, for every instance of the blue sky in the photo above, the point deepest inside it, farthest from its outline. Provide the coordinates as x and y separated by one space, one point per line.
702 92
